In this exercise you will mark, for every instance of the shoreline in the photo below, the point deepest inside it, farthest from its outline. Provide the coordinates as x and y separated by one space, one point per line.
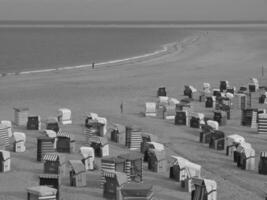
165 50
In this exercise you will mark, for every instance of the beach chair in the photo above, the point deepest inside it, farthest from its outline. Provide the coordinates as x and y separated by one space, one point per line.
19 142
88 154
64 116
231 143
217 140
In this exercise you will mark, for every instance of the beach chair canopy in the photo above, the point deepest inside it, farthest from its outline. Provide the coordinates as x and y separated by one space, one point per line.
98 140
173 101
254 80
185 102
136 190
34 118
64 111
42 191
18 136
92 116
77 166
50 133
218 134
206 85
3 126
101 120
206 128
131 156
119 177
199 116
133 128
155 145
53 157
229 95
21 109
263 115
51 120
193 89
192 169
149 137
64 134
158 155
231 139
7 123
213 124
112 159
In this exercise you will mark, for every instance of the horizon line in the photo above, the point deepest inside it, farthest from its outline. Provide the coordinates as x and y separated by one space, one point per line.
132 22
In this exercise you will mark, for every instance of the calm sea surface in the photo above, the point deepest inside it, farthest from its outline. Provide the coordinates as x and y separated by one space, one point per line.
24 49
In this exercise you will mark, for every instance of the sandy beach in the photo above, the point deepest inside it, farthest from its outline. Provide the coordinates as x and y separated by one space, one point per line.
209 56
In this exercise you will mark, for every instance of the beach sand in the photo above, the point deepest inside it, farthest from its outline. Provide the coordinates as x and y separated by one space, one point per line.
210 56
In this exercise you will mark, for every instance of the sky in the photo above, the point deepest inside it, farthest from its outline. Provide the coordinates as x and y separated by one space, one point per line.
136 10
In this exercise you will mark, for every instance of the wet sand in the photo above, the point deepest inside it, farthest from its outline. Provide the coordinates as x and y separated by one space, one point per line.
215 55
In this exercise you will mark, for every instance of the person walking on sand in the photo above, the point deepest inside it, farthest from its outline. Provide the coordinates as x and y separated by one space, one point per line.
93 65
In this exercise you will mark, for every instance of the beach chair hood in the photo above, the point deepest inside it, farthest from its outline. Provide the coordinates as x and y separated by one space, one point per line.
50 133
18 136
213 124
173 101
51 120
157 146
92 116
235 139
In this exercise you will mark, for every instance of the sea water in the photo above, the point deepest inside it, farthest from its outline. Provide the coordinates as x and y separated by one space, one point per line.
38 48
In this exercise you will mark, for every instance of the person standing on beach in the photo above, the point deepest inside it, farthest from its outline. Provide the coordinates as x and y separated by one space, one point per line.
121 107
